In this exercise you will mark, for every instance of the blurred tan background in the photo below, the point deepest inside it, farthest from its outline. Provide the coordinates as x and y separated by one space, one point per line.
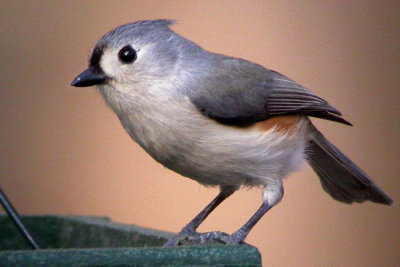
62 150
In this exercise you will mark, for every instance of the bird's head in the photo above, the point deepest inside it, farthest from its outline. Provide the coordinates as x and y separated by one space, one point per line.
134 55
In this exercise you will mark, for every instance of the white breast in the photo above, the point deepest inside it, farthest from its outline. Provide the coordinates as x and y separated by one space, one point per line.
175 134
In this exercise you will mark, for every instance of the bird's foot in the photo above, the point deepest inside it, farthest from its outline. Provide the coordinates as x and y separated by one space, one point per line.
195 238
181 237
219 237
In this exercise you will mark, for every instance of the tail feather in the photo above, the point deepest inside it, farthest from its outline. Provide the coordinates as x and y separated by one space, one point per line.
339 176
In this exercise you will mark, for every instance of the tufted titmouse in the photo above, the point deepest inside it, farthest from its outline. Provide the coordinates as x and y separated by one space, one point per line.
218 120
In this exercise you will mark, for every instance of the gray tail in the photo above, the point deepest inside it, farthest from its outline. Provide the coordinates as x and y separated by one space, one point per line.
339 176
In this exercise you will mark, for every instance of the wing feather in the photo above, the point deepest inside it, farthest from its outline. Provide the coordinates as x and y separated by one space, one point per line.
239 92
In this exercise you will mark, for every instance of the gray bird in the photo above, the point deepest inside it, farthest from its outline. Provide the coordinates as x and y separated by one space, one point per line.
219 120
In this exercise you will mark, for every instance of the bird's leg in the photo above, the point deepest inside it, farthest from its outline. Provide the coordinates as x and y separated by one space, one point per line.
272 194
190 228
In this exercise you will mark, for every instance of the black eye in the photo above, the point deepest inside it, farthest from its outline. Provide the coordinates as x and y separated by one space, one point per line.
127 54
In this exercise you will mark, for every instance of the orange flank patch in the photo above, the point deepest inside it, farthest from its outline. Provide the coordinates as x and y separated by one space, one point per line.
282 123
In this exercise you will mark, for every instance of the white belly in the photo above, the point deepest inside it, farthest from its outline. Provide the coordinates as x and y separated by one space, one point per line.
185 141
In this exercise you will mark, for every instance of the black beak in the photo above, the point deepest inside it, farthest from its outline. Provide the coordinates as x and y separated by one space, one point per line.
91 76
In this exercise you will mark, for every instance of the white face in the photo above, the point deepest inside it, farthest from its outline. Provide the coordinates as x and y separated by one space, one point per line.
150 77
128 72
154 63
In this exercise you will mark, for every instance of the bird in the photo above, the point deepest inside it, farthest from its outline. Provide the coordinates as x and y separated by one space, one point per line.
219 120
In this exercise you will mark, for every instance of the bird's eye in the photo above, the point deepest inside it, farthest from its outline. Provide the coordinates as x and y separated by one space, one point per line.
127 54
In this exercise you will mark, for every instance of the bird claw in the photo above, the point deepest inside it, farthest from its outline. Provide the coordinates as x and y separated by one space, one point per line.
215 236
220 237
179 239
202 238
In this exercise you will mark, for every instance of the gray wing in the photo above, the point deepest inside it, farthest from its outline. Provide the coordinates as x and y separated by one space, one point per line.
239 92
